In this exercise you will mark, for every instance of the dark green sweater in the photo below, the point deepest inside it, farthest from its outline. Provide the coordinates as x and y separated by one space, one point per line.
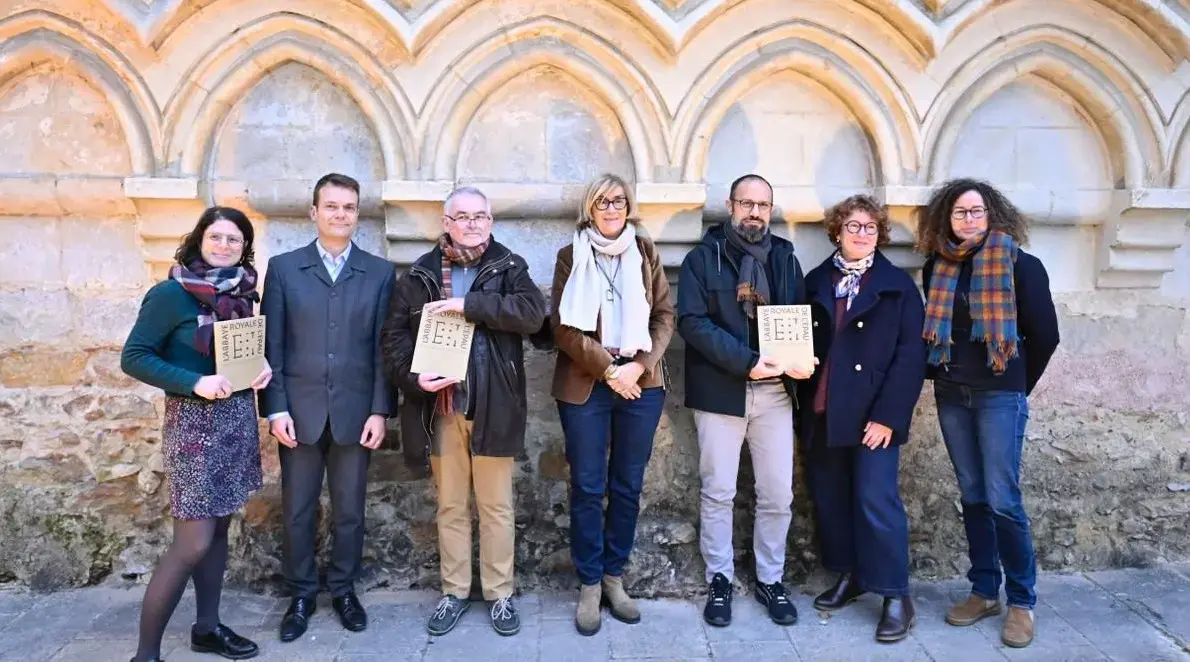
160 348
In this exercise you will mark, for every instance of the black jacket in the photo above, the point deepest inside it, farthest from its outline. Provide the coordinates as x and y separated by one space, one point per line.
719 336
1037 325
322 340
877 360
505 305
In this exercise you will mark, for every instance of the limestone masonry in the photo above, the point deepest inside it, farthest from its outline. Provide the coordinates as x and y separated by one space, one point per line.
120 120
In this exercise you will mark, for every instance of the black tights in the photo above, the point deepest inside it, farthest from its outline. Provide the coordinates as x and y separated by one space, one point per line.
199 549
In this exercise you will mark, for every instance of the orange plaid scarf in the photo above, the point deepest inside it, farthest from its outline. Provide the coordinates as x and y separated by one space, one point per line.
992 298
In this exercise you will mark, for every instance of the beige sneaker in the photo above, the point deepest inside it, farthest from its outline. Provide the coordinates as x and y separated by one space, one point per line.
623 608
587 618
972 610
1018 627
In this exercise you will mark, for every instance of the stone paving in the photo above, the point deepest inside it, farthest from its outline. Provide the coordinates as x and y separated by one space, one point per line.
1140 615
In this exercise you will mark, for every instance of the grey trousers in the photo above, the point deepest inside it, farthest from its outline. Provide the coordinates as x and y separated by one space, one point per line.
767 426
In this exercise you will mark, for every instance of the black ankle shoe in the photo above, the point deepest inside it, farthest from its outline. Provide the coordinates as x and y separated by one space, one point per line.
351 612
222 641
775 597
297 618
718 609
836 597
896 619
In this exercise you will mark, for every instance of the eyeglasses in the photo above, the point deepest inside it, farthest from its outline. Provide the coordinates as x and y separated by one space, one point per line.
855 227
974 213
463 219
618 203
234 241
762 207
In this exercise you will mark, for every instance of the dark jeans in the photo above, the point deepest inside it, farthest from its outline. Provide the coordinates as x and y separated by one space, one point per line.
302 468
608 443
862 527
984 433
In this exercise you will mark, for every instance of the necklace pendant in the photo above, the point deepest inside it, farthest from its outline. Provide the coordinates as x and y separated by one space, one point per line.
609 295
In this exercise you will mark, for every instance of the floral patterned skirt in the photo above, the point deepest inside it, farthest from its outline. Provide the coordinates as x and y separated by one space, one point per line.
212 454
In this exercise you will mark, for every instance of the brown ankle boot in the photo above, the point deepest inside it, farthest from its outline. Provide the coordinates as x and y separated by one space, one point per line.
623 608
587 618
972 610
1017 631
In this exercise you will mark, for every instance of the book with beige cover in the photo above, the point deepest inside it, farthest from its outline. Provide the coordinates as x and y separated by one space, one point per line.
443 345
786 335
239 350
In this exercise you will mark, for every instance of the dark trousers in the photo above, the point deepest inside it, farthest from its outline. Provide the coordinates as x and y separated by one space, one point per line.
346 467
984 433
862 527
608 443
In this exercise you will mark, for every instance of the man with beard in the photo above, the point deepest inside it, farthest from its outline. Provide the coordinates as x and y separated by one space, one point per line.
738 394
469 431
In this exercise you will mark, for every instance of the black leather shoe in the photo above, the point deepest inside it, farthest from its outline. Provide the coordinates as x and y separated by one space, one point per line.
836 597
222 641
896 619
297 618
351 612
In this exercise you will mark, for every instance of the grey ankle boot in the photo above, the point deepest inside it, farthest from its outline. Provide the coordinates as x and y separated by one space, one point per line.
623 608
587 619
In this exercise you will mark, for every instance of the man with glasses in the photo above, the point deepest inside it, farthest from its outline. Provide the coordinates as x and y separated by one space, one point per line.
738 394
327 402
471 431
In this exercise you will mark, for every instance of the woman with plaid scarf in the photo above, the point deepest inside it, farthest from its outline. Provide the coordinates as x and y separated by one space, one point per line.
990 331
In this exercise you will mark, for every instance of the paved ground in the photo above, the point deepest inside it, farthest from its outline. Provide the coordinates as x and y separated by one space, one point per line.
1141 615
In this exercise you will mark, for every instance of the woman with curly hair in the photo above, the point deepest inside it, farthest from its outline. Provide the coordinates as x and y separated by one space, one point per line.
990 331
210 437
867 317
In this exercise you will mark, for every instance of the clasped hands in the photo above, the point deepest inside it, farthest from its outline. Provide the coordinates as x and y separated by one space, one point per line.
768 367
623 379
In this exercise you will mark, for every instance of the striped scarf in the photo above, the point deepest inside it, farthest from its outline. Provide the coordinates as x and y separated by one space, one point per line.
992 298
853 273
464 257
223 293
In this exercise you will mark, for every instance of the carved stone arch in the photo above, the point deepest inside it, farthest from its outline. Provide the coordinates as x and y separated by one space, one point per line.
34 38
487 67
892 138
230 70
1124 120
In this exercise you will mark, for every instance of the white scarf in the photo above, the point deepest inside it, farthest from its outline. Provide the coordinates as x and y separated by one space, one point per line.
586 288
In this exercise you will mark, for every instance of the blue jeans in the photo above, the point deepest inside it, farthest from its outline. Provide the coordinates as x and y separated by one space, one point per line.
608 444
984 432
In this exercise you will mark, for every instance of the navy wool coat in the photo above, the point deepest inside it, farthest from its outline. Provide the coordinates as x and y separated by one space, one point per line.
877 360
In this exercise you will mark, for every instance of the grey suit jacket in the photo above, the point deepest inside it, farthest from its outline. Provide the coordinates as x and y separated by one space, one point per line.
322 340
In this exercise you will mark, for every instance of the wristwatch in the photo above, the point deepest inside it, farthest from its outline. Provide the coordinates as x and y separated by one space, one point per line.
607 374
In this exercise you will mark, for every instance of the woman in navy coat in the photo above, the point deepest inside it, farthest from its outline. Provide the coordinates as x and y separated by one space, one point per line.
855 412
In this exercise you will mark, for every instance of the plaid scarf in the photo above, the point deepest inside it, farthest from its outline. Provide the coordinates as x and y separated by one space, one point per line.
753 288
992 298
853 273
223 293
464 257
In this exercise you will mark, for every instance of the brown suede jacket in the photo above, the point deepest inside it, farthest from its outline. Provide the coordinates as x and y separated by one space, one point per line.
582 359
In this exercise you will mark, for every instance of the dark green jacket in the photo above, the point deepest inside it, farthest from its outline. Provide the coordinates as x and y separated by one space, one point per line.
160 348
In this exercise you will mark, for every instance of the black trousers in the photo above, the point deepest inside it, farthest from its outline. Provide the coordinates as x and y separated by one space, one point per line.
302 468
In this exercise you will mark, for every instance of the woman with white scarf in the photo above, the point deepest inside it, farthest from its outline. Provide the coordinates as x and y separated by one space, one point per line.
612 321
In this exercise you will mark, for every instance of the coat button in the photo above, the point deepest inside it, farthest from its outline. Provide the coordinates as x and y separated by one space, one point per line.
858 367
331 356
859 325
816 325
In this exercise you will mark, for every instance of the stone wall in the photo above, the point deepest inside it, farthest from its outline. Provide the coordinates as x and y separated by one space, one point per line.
120 120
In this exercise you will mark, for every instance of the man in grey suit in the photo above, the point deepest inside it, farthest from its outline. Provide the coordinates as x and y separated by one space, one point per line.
325 304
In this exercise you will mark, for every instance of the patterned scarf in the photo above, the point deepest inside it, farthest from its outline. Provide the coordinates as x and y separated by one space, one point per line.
853 273
992 298
464 257
223 293
753 288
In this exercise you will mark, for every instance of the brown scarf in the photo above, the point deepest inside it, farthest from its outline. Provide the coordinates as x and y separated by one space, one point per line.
464 257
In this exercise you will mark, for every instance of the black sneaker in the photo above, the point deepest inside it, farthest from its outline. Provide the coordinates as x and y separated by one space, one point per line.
505 620
718 609
776 598
446 615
